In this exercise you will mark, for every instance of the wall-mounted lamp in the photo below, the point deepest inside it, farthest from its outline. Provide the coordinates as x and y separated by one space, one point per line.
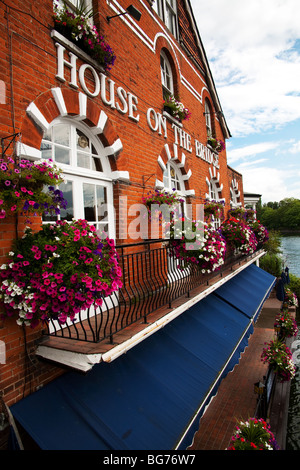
136 14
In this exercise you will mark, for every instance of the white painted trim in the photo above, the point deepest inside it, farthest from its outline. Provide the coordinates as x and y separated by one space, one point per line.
26 151
75 49
161 163
182 163
187 176
113 149
190 192
120 175
83 362
34 112
159 184
101 123
151 43
59 100
167 149
82 105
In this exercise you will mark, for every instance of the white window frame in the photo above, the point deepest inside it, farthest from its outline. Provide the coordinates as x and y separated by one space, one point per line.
166 73
208 119
214 196
167 177
80 175
168 183
167 11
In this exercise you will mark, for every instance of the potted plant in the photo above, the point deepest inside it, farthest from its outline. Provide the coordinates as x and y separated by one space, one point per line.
260 232
77 28
238 236
290 297
215 208
155 201
253 434
285 325
23 187
57 272
279 357
194 243
175 108
217 144
238 213
250 214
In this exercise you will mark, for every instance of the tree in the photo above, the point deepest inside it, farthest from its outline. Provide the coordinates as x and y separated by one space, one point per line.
283 215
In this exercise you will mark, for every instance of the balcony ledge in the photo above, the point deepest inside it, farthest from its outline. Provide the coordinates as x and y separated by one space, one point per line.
82 356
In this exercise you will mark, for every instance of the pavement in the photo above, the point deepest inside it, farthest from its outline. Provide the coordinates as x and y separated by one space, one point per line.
236 399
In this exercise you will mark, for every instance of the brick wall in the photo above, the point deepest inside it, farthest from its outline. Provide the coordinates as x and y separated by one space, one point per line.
28 66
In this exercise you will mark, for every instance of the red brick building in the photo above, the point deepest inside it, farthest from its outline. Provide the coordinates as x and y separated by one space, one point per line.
107 129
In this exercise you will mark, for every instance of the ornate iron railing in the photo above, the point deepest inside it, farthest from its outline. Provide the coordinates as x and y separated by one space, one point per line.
151 279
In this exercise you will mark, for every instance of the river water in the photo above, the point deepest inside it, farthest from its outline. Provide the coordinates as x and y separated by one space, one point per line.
290 247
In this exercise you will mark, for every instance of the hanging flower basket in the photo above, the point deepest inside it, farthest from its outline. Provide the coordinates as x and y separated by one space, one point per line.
215 208
30 187
57 272
77 28
260 232
279 358
238 235
250 214
194 243
237 213
254 434
285 325
158 201
175 108
217 144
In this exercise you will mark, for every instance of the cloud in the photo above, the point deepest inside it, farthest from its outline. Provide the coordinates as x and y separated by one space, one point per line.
294 147
273 184
253 55
250 151
253 49
253 163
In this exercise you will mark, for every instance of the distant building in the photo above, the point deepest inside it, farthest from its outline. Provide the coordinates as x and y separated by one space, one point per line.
251 200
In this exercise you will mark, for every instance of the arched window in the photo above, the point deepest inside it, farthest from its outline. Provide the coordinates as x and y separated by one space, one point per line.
208 118
213 192
166 75
172 179
87 186
214 195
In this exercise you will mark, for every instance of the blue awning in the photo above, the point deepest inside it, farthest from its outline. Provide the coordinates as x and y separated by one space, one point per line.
152 397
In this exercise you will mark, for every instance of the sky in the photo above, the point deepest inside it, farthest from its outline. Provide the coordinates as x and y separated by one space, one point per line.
253 50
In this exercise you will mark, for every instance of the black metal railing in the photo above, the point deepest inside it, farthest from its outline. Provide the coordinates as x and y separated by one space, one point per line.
151 280
265 393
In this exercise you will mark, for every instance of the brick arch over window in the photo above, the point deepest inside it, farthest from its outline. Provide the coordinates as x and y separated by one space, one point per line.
235 194
174 155
215 179
64 102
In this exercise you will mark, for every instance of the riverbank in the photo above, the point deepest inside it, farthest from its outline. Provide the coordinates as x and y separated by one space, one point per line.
236 398
287 232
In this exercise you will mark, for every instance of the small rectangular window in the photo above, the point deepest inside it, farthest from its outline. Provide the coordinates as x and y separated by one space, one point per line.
167 11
